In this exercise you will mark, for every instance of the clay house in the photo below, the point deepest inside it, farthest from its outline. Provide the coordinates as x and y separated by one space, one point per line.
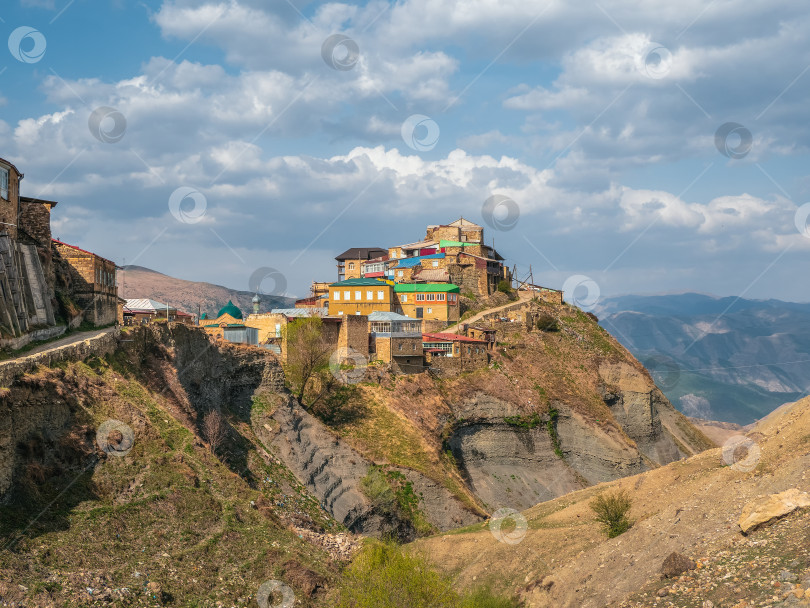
452 351
93 283
360 297
404 270
318 296
487 334
350 261
429 301
397 340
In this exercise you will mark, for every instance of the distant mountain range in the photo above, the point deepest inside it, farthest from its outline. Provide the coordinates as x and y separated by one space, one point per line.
716 358
189 296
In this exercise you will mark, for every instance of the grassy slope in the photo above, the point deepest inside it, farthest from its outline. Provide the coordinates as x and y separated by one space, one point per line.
169 512
406 418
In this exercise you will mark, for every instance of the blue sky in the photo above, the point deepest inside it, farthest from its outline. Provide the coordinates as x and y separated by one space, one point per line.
598 119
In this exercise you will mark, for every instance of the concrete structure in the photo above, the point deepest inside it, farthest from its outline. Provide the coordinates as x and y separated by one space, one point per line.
93 283
360 297
430 301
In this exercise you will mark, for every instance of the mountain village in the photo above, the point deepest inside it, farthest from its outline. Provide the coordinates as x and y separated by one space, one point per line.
400 305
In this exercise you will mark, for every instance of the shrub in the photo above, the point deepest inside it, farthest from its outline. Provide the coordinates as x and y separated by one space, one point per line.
545 322
505 286
384 576
592 317
611 511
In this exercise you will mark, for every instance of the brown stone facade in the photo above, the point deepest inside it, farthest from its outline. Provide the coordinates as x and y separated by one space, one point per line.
353 335
93 283
35 219
9 198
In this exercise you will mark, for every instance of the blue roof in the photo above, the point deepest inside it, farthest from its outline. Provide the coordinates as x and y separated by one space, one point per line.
417 259
300 312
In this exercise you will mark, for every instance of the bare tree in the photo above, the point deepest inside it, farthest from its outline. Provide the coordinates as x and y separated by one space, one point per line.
214 429
308 353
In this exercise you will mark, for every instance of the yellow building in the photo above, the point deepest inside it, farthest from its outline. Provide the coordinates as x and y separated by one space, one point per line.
429 301
361 297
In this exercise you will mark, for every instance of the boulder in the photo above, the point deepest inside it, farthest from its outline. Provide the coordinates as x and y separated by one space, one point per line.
767 508
676 564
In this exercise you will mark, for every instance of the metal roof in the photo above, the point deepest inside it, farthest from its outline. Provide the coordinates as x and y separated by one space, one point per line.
299 312
146 304
361 283
417 259
379 315
361 253
441 337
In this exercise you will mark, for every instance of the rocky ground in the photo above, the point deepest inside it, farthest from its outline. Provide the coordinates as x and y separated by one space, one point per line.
770 567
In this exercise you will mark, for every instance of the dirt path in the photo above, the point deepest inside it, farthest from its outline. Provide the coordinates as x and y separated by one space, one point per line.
523 296
71 339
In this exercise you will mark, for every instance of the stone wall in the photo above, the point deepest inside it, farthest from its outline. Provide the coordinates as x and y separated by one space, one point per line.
354 334
99 345
35 220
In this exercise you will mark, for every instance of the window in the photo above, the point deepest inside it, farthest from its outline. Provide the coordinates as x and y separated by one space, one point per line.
347 295
4 183
358 295
413 345
351 265
278 330
430 311
399 273
393 255
337 295
420 297
380 295
440 297
369 295
431 297
404 297
435 263
400 346
357 312
340 313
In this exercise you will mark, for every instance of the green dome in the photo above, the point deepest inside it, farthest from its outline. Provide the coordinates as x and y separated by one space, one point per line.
204 315
230 309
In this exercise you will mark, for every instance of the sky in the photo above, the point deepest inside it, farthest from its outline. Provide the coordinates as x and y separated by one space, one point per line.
613 147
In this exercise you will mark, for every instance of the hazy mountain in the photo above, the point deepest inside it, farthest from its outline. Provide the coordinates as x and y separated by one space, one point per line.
139 282
717 358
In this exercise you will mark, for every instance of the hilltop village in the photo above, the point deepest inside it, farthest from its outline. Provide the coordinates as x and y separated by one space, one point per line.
393 305
402 305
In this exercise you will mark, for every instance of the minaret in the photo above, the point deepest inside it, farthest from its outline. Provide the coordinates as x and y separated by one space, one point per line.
256 301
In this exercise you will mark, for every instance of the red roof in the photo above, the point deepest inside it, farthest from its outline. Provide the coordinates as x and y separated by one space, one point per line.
449 338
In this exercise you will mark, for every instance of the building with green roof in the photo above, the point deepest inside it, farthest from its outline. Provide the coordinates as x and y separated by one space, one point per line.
230 309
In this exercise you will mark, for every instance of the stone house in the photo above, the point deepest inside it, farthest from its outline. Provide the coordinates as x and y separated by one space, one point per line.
93 283
455 352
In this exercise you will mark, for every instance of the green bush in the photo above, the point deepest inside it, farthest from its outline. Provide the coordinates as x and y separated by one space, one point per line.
545 322
611 511
505 286
384 576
